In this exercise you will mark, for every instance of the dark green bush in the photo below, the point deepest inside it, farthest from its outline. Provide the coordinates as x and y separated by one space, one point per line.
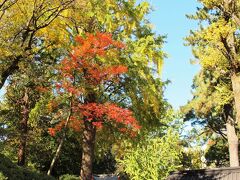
14 172
2 177
68 177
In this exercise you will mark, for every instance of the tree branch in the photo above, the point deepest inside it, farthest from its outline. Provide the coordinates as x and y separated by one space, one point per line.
9 71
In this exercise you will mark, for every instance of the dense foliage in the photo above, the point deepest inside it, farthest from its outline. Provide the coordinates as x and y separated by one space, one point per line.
83 92
81 74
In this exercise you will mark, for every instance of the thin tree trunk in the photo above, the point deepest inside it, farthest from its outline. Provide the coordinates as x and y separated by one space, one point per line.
89 134
56 156
58 151
231 137
23 131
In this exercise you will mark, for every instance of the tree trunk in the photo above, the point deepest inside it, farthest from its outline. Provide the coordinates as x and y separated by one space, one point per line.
23 131
236 92
89 133
232 145
231 137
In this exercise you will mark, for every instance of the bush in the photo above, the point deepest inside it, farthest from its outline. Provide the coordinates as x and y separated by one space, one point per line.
68 177
11 171
2 177
153 158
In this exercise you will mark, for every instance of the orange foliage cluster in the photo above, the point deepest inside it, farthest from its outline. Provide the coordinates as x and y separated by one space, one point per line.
94 45
74 123
108 112
51 131
82 62
98 114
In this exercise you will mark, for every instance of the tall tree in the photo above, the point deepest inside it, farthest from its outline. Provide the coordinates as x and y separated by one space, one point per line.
138 88
86 76
216 46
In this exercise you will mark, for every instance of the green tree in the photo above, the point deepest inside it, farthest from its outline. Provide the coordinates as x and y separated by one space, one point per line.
43 27
144 88
215 45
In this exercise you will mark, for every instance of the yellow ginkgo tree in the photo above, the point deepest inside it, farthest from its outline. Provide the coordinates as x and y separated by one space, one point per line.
216 46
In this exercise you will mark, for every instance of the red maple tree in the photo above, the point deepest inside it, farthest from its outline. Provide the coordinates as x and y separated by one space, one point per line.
82 72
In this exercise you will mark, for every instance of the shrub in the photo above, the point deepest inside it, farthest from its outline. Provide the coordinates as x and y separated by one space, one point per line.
68 177
9 170
154 158
2 177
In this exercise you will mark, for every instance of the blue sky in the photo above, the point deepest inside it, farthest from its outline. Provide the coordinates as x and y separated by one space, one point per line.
169 18
2 91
